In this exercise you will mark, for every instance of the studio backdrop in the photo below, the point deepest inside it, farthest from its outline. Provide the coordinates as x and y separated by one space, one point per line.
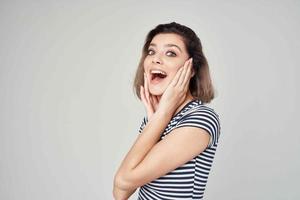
68 114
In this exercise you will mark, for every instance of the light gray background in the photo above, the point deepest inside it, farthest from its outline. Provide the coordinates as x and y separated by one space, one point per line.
68 114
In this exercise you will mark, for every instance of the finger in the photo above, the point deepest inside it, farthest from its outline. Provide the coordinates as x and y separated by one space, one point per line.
143 96
149 107
142 92
181 77
188 74
155 101
152 100
185 69
176 77
146 88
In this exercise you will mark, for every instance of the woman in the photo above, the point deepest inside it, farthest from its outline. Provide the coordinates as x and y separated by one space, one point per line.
173 154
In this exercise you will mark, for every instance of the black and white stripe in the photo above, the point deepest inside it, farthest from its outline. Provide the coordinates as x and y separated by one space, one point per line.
189 180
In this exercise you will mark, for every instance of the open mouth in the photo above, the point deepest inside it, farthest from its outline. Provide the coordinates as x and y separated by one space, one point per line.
157 75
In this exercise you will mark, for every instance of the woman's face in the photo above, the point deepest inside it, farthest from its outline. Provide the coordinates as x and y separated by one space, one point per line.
166 54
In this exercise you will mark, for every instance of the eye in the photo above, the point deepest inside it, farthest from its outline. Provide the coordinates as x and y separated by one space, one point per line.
169 53
172 53
150 50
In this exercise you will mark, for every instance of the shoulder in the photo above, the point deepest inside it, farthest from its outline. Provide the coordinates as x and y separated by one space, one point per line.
201 111
204 117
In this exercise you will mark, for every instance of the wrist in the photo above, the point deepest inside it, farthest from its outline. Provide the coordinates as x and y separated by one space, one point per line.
164 112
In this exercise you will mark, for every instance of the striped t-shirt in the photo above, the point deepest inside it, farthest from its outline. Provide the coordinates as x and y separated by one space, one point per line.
189 180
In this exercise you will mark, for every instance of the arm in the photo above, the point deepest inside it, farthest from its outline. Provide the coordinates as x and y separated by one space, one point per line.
147 159
120 194
163 157
143 144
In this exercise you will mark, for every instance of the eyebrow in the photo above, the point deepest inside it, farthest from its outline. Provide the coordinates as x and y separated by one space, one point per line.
167 45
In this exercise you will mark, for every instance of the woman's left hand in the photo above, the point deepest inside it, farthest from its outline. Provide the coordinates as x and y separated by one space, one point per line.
176 91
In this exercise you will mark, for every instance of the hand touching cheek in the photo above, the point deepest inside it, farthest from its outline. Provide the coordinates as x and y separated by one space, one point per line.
177 90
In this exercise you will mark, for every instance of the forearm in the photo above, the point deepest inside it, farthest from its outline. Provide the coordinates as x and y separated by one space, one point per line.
143 144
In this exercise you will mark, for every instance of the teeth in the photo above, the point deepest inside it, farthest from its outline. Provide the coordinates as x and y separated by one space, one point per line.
157 72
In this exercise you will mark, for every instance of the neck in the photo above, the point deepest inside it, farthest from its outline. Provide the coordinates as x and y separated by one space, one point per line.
187 99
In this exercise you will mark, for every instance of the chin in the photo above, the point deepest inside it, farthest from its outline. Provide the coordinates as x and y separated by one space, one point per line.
157 91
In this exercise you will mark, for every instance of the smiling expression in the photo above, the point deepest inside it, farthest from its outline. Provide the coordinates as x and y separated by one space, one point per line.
166 53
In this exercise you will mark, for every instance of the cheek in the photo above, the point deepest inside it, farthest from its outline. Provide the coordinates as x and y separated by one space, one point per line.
174 70
175 64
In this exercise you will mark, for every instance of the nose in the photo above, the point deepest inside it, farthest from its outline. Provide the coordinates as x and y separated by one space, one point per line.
156 59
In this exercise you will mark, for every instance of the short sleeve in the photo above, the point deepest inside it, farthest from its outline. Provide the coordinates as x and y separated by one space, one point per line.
143 124
205 118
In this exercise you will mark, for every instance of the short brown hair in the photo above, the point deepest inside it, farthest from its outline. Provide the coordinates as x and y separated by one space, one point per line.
200 84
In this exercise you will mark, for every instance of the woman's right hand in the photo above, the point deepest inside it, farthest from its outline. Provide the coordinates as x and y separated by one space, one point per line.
150 101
